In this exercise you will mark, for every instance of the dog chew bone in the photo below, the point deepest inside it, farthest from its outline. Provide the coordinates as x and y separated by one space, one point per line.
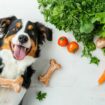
12 84
46 77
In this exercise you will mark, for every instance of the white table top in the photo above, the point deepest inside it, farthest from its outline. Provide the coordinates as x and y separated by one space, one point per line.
76 83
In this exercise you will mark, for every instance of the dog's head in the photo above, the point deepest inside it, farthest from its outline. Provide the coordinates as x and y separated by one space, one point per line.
24 39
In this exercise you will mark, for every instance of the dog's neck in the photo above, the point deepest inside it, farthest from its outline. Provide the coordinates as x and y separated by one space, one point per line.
12 67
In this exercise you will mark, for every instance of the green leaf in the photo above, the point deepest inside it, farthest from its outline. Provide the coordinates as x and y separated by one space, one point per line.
100 17
94 19
41 96
86 27
94 60
89 47
86 52
102 33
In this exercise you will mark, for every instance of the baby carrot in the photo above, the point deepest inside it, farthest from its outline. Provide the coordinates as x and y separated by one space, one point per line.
102 78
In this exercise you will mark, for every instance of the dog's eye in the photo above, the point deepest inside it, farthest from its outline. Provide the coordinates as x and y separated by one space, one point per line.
14 30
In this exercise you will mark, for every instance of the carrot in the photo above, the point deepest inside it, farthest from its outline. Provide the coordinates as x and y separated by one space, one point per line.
102 78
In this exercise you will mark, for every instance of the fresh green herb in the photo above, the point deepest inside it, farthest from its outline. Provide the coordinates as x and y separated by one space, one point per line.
86 18
41 96
94 60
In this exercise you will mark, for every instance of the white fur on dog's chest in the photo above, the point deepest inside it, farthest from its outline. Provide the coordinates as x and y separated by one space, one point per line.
12 67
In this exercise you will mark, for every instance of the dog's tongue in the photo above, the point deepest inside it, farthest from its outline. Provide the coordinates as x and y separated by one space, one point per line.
19 52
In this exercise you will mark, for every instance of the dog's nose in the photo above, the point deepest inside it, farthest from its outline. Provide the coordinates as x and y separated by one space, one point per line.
23 39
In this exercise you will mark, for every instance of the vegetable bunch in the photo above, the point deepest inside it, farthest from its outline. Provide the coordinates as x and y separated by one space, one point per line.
86 18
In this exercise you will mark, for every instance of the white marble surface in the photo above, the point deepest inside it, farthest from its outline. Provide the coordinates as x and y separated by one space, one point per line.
76 82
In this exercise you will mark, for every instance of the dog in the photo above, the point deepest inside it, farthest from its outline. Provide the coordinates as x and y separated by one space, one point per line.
19 48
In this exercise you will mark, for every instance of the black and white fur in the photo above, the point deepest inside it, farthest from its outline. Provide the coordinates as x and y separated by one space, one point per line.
11 68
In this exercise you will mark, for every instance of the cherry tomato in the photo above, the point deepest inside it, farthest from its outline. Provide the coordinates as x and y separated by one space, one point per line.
62 41
72 47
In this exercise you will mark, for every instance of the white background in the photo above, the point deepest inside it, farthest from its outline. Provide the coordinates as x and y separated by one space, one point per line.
76 83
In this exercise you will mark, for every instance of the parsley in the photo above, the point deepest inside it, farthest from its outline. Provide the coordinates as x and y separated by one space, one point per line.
41 96
95 60
86 18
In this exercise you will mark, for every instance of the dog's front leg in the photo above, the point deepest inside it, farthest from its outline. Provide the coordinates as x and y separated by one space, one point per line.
27 77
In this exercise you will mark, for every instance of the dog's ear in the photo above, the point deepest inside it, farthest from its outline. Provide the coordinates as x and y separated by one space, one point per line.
4 25
38 32
43 32
15 26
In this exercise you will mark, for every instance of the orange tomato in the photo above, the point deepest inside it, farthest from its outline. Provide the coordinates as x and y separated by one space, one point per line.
62 41
72 47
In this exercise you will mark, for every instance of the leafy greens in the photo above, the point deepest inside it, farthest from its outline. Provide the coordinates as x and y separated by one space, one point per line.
86 18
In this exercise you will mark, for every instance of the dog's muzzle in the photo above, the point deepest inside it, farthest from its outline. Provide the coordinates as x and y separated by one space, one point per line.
20 48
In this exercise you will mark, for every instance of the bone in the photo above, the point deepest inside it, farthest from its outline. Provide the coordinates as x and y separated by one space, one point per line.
12 84
46 77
